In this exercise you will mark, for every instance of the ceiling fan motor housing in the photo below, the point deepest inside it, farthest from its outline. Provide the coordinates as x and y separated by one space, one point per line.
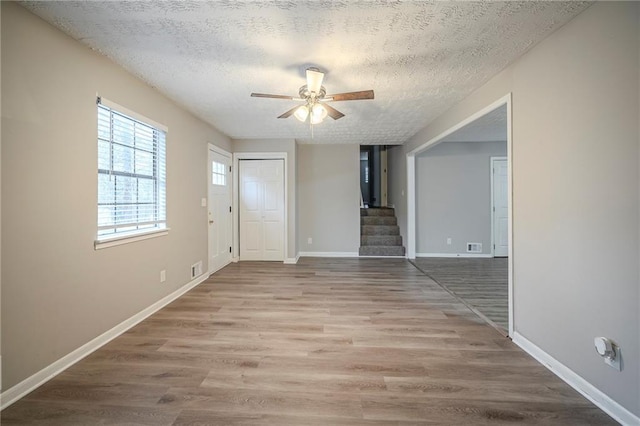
306 94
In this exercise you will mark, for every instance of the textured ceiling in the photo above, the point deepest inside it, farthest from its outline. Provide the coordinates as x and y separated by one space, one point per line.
419 57
491 127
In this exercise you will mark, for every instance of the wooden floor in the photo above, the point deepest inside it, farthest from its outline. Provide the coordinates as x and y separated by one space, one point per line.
481 283
323 342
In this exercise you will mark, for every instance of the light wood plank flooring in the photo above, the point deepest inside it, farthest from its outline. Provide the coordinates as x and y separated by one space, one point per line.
323 342
480 283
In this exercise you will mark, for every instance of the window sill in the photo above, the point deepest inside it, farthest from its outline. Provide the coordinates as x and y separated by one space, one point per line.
107 242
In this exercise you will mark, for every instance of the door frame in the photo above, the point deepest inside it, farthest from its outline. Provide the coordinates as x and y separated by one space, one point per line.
411 188
493 212
235 191
224 153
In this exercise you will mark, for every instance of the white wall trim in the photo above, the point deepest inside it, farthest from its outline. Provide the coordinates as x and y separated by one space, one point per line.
411 206
328 254
411 189
219 150
593 394
492 211
224 153
235 189
19 390
291 260
484 255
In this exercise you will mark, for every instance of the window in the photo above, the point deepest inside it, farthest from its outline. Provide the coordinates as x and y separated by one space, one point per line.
131 173
218 175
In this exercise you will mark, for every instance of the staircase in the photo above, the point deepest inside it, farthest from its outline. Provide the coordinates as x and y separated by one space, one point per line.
379 233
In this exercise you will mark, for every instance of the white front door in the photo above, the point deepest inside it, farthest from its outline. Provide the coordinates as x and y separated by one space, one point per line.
500 209
219 214
261 209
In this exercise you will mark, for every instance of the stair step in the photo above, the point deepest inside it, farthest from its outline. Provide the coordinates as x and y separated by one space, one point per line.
380 240
379 230
380 211
381 251
378 220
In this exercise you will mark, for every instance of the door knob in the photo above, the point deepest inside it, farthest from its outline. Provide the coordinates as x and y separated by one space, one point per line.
210 222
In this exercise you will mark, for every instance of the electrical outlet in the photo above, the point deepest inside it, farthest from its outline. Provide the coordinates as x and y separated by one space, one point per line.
163 276
448 241
309 240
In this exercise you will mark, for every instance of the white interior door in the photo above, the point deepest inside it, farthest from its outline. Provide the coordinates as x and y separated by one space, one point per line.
500 208
261 199
219 212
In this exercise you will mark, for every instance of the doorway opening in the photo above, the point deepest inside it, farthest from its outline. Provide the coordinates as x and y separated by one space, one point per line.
459 229
373 175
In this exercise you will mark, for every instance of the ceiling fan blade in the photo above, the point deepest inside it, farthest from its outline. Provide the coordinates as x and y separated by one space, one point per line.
351 96
314 79
265 95
289 113
332 112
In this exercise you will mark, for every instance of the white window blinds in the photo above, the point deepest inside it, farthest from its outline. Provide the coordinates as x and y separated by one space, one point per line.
131 174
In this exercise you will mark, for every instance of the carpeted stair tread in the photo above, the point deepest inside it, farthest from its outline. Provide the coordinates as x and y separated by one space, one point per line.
379 230
381 211
381 251
378 220
380 240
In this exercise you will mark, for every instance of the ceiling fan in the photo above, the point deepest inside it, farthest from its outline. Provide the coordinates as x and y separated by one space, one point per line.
315 99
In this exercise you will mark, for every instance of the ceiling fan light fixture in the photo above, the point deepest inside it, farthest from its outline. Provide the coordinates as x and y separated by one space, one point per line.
318 113
301 113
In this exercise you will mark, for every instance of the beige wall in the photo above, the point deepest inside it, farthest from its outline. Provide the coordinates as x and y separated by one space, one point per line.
58 292
279 145
575 191
329 198
453 196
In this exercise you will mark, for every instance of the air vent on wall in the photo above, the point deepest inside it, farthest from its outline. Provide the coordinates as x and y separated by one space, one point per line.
196 269
474 247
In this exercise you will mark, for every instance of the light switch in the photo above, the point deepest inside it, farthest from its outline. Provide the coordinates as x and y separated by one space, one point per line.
203 202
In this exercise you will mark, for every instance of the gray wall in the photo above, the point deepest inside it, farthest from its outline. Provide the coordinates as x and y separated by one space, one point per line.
0 204
329 198
575 190
453 196
58 293
279 145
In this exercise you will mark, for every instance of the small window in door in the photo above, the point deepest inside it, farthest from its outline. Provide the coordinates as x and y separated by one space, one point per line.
218 175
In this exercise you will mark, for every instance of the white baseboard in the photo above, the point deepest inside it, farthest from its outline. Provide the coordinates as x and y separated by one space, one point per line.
593 394
484 255
291 260
328 254
382 257
16 392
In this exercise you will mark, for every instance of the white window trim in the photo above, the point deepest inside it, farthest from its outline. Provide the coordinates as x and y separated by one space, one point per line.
137 235
119 240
